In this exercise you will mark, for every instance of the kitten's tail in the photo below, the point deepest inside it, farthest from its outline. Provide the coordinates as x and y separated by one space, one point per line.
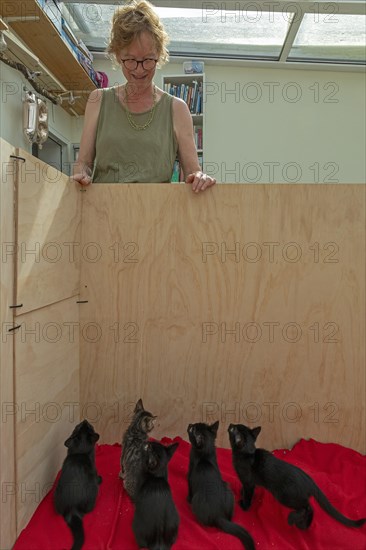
76 526
237 531
333 512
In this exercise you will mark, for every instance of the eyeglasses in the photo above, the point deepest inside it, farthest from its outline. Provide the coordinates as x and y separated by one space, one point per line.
132 64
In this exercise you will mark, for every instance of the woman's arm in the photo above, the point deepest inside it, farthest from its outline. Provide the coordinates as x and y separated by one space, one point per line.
82 169
183 128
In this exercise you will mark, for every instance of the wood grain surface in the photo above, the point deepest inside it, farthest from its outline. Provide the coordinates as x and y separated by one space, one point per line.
7 270
46 397
49 213
244 304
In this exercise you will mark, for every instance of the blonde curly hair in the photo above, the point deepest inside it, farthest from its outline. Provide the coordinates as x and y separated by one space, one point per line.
133 18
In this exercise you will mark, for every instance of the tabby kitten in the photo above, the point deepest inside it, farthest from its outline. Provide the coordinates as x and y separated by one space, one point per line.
77 487
211 498
156 520
290 485
133 441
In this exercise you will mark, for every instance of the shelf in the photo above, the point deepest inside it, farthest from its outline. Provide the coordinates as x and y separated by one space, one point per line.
190 89
37 31
177 78
188 80
3 25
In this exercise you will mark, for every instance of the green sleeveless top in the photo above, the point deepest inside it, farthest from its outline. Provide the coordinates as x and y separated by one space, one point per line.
127 155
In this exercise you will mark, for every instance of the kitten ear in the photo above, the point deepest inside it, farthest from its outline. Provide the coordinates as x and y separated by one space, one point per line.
214 427
139 406
256 431
171 449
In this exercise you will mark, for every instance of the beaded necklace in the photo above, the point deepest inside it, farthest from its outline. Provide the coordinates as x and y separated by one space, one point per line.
151 114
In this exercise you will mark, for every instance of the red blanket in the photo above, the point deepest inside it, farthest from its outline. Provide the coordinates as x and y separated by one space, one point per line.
339 472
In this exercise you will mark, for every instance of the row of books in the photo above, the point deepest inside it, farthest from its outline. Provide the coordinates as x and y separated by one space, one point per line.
190 93
52 9
176 176
198 137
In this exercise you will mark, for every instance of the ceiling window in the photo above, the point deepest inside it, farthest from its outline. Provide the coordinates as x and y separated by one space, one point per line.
323 32
332 37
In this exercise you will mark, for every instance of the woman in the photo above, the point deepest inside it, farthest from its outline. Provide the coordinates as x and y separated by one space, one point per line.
133 132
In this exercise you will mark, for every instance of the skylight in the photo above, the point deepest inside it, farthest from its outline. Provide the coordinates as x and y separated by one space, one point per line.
276 31
331 37
219 33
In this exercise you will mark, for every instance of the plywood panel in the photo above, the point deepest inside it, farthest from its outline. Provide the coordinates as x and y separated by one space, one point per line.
32 488
7 268
47 397
244 304
48 235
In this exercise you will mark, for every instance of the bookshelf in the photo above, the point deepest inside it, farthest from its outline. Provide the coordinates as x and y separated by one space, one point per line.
189 87
32 25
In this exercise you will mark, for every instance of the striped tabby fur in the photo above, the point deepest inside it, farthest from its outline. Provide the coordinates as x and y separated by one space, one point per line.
133 441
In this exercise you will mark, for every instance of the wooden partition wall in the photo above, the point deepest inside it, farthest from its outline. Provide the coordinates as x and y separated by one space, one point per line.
7 428
41 214
245 303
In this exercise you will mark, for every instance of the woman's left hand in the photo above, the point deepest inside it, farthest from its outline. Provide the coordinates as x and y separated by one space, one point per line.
200 181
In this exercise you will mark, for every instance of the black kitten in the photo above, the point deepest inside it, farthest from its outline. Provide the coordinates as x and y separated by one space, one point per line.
156 519
211 498
290 485
133 442
77 488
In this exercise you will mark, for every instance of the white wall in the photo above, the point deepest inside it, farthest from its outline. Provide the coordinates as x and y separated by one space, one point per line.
261 125
281 125
60 123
